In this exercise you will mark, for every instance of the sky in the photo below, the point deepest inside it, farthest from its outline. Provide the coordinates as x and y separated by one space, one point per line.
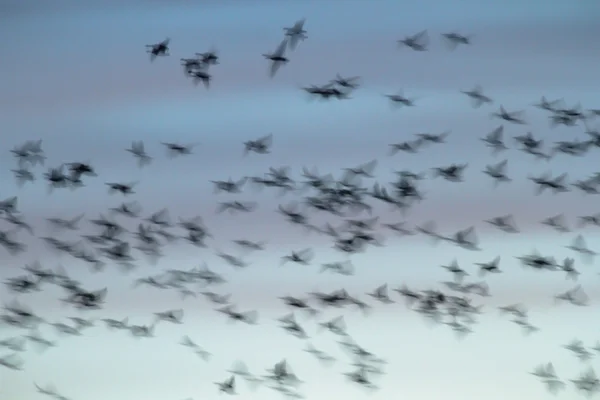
76 75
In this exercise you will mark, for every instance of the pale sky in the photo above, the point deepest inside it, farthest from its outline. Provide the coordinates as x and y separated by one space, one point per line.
76 75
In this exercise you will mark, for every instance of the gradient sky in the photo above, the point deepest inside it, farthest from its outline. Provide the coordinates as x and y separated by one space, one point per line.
75 74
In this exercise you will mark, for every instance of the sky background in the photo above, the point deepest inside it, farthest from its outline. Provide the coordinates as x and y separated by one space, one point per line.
76 75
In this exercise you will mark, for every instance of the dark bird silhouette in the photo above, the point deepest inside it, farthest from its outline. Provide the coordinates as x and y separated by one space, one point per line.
453 39
399 99
177 149
159 49
277 58
417 42
477 97
514 117
296 33
261 145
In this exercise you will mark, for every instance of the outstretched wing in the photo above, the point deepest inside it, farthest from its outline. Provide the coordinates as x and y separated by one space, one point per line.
274 68
280 51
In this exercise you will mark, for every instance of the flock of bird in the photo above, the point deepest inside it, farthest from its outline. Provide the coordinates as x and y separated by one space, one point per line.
351 198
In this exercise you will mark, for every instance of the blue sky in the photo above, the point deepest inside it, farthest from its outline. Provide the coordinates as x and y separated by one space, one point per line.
75 74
